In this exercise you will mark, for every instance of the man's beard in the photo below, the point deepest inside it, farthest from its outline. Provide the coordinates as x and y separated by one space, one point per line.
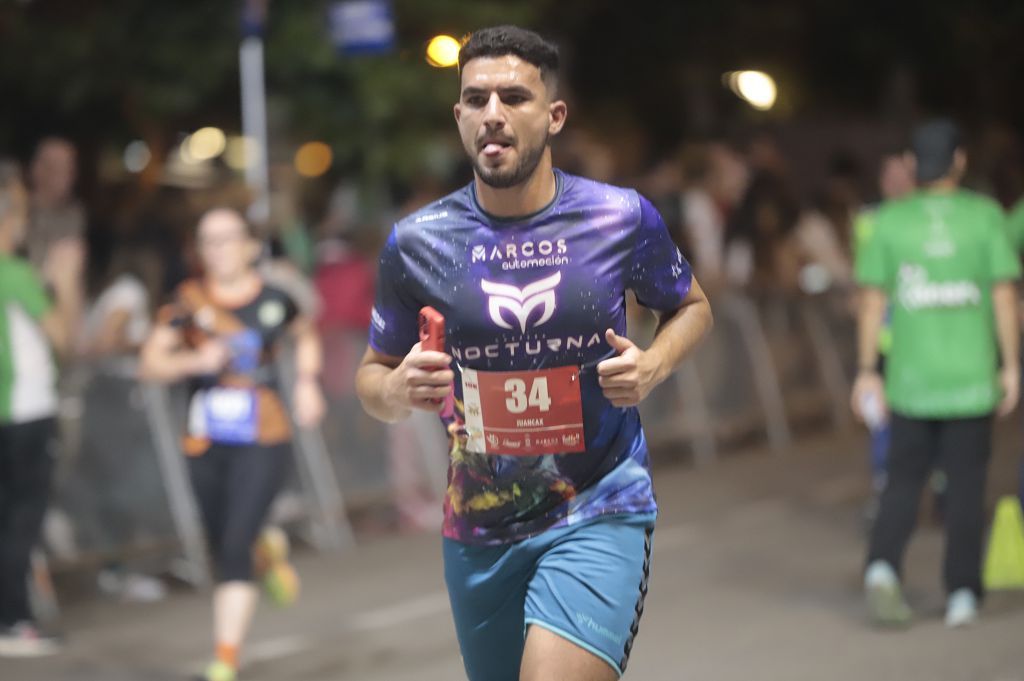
503 179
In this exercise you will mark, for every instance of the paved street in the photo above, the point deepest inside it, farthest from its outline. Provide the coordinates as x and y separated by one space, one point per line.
755 576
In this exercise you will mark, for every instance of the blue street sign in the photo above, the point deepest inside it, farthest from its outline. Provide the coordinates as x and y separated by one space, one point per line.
362 26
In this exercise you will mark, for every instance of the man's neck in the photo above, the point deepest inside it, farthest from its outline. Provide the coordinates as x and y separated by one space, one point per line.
943 185
525 198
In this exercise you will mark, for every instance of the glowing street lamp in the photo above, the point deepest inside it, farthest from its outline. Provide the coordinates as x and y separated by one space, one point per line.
313 159
756 88
443 51
206 143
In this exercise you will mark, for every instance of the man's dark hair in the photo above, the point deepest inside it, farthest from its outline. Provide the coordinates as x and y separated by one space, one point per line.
499 41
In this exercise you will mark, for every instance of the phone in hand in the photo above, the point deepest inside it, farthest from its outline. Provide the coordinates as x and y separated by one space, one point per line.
431 329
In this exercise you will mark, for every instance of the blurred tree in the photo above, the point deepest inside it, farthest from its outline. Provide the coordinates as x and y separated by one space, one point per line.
118 69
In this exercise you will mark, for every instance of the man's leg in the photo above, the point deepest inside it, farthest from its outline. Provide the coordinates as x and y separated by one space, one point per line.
487 589
550 657
585 601
29 462
966 446
911 453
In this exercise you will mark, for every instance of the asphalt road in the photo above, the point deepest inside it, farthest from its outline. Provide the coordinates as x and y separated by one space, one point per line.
756 575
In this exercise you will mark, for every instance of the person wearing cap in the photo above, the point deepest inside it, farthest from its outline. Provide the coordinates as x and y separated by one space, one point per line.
942 255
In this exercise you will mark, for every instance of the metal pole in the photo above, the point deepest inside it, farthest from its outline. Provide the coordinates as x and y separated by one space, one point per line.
184 511
329 522
766 381
254 127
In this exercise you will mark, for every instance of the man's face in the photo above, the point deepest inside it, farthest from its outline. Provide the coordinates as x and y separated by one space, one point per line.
505 116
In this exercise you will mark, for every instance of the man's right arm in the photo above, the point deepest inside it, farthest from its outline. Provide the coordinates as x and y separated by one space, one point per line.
390 387
870 317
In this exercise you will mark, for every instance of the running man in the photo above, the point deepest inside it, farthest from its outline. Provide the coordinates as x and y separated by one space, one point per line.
550 510
220 334
32 327
942 256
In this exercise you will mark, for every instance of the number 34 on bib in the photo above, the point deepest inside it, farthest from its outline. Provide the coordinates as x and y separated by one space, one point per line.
523 413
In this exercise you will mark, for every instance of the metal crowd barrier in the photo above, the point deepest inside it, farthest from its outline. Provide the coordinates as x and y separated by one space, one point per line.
123 493
771 366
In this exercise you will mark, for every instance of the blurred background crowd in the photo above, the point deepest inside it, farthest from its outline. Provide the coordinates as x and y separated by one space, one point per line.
760 130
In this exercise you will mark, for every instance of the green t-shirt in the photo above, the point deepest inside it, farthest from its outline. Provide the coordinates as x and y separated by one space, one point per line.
937 256
1016 226
27 371
863 232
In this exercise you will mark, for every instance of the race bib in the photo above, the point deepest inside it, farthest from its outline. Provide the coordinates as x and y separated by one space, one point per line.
231 415
523 413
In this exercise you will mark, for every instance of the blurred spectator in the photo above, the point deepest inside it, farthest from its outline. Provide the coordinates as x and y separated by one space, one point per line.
117 321
761 250
31 326
289 227
281 271
124 482
943 259
345 279
824 233
54 212
716 178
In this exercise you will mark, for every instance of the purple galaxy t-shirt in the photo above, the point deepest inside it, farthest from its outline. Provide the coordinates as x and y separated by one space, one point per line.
528 294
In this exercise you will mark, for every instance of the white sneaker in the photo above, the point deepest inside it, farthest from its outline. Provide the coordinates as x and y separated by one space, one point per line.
25 640
961 608
886 606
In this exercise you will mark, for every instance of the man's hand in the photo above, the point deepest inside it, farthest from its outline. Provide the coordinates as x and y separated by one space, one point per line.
627 379
1009 380
868 387
421 381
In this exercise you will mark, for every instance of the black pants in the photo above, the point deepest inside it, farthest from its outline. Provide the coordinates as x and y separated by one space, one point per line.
962 447
235 486
27 455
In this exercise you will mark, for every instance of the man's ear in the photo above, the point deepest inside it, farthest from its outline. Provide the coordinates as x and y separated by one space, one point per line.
557 113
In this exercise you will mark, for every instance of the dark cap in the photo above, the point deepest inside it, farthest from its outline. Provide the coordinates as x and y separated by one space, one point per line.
934 144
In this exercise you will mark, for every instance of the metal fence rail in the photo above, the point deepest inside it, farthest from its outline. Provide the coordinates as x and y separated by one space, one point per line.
770 366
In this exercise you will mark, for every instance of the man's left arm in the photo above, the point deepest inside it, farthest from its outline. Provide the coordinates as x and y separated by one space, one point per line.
627 379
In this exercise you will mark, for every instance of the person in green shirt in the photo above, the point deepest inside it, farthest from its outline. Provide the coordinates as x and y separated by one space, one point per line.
32 326
943 259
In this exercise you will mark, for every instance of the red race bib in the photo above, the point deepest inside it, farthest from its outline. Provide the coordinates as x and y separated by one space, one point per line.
523 413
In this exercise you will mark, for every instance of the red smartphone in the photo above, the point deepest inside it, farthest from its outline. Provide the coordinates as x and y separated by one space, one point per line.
431 329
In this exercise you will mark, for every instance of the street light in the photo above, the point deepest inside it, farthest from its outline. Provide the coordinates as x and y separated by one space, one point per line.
206 143
313 159
756 88
443 51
